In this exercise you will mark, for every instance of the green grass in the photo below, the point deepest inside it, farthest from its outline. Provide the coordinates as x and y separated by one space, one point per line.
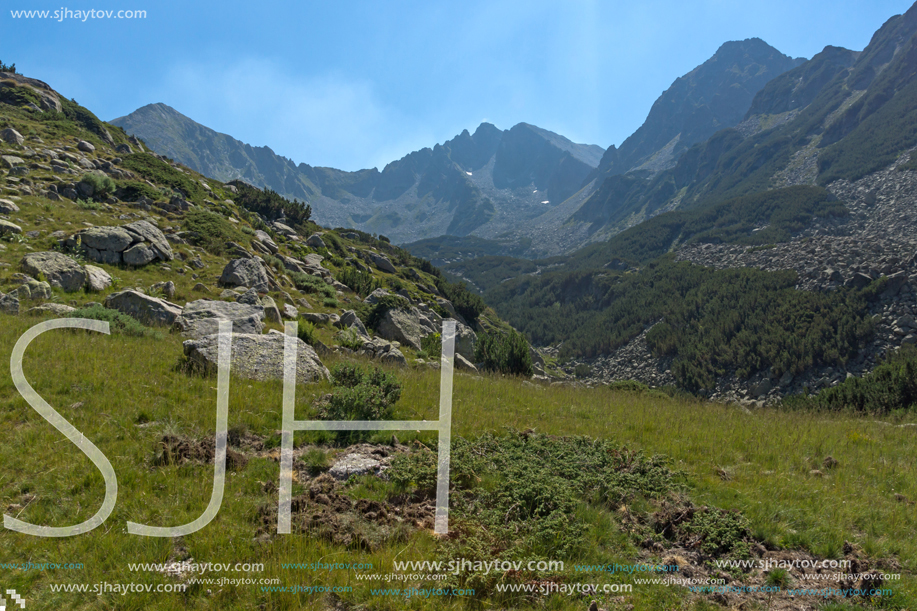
122 381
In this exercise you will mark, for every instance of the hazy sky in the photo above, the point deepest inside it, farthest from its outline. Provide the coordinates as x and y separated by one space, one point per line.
354 84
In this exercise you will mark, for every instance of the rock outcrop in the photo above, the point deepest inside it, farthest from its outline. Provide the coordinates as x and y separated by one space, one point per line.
135 244
200 318
58 269
257 357
146 309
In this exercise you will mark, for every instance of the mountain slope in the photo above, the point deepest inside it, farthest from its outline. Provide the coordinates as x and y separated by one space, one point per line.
714 95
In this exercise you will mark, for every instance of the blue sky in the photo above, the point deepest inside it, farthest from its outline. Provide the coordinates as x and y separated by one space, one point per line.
354 84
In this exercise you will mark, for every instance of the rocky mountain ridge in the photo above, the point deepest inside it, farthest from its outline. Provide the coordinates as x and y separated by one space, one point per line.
483 182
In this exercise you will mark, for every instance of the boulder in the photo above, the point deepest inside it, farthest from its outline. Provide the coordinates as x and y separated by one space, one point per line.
10 161
11 136
462 364
146 309
394 357
8 227
59 270
376 296
355 464
894 284
447 306
465 339
245 272
33 289
401 326
315 241
199 318
9 304
166 288
8 207
250 297
858 280
265 239
382 263
116 239
257 357
319 319
290 312
271 311
135 244
57 309
139 255
144 231
350 319
86 147
97 278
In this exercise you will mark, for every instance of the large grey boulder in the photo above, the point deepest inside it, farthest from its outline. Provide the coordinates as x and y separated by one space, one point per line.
257 357
8 227
59 270
106 238
400 326
139 255
9 304
265 239
11 136
135 244
201 317
11 161
146 309
8 207
97 279
84 146
245 272
56 309
271 311
315 241
349 319
465 339
33 289
377 295
144 231
462 364
382 263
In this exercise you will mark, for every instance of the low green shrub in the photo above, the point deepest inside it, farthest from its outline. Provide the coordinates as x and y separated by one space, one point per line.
102 185
360 394
118 323
504 351
210 231
305 331
361 283
311 284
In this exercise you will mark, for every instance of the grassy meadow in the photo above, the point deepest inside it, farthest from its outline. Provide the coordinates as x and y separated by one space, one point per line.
126 393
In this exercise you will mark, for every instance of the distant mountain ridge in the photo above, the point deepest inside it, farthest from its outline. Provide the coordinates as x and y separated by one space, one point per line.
529 189
484 182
